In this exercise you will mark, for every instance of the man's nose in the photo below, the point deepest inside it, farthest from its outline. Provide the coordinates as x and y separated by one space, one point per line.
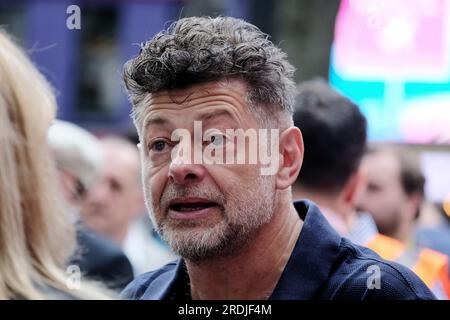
99 192
183 170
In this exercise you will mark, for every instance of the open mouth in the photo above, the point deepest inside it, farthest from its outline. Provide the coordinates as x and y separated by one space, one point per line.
191 208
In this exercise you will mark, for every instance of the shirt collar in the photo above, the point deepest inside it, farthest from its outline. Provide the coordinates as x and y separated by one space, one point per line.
306 272
313 256
167 284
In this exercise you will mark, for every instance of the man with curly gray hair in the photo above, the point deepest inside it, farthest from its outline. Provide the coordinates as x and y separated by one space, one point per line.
221 84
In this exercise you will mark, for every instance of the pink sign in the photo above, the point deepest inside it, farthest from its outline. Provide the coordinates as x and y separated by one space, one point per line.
399 40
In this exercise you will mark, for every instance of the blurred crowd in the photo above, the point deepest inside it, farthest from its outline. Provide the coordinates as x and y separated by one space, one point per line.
71 204
372 194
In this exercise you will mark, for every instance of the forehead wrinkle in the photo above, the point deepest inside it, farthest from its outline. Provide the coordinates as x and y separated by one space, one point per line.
152 119
186 97
219 113
222 103
192 100
230 95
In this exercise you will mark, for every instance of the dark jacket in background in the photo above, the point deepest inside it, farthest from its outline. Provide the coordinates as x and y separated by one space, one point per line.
100 259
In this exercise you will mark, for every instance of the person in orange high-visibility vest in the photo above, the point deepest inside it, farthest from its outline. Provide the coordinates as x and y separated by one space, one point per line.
393 195
431 266
334 134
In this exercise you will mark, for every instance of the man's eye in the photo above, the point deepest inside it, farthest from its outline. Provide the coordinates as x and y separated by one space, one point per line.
217 139
158 146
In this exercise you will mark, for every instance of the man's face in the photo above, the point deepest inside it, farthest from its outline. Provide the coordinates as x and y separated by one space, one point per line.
114 200
202 210
384 197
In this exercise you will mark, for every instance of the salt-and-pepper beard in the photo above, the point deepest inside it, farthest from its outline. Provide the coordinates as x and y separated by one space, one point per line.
244 210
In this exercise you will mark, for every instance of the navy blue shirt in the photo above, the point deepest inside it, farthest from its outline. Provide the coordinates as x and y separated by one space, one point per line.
323 265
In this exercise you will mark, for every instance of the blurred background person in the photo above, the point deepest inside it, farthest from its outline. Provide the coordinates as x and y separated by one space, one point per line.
115 207
394 195
79 161
395 190
334 133
36 230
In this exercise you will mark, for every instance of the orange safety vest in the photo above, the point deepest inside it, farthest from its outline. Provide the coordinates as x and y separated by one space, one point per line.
429 265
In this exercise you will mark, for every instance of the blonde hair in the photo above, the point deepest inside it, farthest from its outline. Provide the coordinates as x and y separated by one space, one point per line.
36 233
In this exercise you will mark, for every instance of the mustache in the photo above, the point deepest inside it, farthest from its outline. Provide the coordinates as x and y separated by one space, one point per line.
172 191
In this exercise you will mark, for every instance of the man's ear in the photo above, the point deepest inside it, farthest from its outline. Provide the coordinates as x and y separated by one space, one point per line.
355 186
291 157
415 203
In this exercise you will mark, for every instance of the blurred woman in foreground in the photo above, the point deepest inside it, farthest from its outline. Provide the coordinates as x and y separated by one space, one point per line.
36 232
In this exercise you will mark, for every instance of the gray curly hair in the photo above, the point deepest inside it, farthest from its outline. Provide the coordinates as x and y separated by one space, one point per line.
204 49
